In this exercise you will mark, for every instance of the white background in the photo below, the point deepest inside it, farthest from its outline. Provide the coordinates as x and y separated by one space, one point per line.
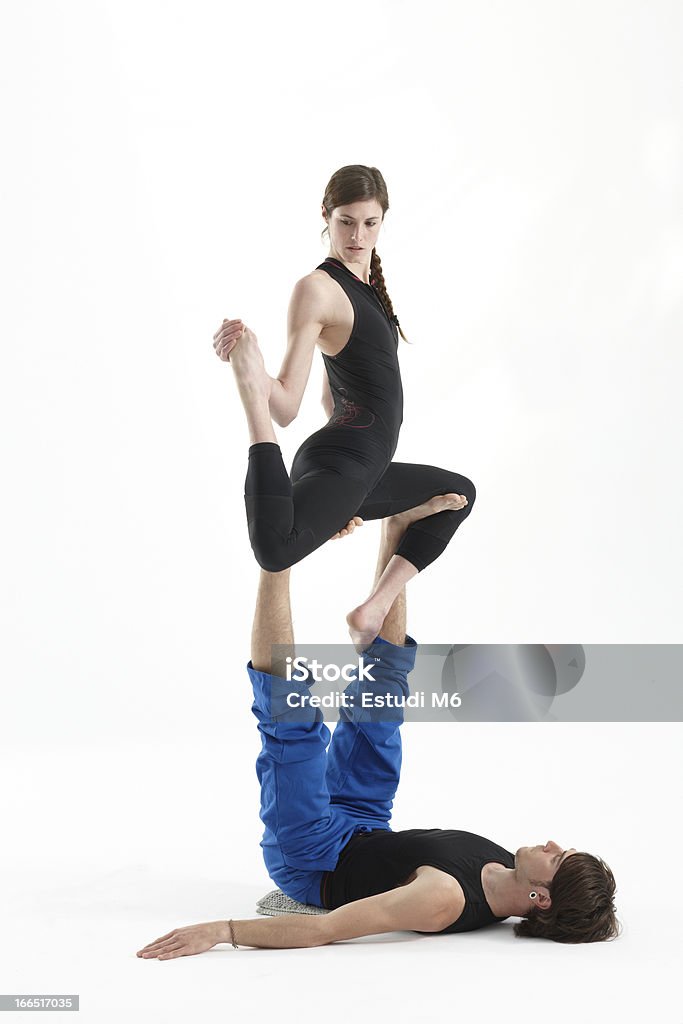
164 165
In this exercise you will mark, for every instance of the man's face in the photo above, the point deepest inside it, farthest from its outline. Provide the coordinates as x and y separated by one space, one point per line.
541 862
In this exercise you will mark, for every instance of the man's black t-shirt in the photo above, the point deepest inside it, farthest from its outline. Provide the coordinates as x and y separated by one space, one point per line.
374 862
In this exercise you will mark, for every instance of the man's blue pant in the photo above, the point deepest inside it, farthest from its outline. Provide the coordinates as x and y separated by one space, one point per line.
314 799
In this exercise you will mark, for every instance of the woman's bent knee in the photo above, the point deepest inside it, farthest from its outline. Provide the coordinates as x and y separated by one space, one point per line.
272 561
270 550
460 484
471 492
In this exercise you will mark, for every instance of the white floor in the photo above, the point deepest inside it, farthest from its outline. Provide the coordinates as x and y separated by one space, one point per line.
108 847
80 935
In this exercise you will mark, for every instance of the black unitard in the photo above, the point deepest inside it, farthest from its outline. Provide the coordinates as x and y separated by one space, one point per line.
345 468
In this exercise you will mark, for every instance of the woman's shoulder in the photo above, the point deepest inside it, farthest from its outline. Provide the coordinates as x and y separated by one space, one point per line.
316 282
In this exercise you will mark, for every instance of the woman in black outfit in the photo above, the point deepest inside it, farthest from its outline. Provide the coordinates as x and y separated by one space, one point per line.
344 472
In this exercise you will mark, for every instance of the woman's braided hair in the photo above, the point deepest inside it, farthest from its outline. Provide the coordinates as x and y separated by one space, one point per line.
352 184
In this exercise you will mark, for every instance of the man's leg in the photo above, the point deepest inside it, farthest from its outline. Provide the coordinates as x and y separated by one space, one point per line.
301 838
364 757
365 621
272 623
304 830
393 630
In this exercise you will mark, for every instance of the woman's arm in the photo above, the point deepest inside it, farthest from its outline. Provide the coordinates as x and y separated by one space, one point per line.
306 318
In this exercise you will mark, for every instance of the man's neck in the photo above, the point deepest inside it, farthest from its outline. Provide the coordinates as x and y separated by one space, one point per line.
501 887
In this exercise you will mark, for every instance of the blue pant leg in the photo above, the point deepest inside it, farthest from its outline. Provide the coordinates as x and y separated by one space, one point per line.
301 838
364 757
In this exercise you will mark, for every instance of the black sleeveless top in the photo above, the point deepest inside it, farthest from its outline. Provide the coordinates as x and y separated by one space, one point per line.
365 377
374 862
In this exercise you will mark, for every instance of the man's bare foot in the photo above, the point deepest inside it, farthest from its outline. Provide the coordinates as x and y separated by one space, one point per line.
366 620
349 528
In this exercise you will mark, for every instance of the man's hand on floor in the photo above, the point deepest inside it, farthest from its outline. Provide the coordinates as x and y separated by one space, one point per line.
196 938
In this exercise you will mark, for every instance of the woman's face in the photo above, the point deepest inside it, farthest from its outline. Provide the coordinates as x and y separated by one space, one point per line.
354 230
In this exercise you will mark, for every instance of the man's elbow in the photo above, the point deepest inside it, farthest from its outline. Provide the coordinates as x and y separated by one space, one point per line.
438 919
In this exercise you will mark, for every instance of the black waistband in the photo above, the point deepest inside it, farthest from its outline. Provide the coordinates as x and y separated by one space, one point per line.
323 889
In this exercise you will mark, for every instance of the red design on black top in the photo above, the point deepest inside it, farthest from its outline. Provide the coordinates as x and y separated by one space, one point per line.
352 412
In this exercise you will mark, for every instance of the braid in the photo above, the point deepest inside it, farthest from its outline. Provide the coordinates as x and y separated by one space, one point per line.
377 280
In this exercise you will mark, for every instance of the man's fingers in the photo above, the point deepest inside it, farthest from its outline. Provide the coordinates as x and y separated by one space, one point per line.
349 528
153 947
168 954
162 940
161 947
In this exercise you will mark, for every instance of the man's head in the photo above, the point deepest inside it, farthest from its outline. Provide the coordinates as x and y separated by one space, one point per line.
574 894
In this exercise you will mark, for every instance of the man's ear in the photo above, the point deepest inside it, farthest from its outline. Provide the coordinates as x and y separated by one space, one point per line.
543 899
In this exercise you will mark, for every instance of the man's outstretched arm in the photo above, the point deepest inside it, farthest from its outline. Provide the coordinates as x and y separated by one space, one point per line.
428 904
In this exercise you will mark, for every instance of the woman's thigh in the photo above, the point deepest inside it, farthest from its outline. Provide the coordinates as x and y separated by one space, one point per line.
405 485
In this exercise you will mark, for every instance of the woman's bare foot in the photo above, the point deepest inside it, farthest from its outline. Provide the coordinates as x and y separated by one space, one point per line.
235 343
366 620
349 528
364 624
398 524
247 363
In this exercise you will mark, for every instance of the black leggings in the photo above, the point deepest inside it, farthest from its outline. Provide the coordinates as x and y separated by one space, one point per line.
290 518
